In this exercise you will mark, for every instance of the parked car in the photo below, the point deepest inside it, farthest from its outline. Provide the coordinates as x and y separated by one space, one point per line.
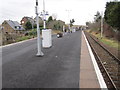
59 35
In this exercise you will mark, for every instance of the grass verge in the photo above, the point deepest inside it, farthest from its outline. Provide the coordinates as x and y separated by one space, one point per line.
23 38
56 31
108 41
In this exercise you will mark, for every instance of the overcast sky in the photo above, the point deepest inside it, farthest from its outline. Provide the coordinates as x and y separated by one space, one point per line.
80 10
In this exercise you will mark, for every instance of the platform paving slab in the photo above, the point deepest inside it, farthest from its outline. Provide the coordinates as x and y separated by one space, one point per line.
88 77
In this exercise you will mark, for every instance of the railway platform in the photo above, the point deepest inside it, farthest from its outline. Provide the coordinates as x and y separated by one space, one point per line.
90 75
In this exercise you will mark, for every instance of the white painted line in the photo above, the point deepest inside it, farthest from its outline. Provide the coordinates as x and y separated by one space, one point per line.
97 70
17 43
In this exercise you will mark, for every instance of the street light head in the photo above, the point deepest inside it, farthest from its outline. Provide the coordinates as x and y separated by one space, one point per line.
46 13
36 2
44 19
41 14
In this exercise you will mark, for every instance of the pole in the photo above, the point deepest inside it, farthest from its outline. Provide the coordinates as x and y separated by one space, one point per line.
44 22
101 24
63 29
68 19
32 22
39 53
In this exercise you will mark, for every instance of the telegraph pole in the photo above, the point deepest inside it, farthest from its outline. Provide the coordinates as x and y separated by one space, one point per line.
101 24
101 33
39 53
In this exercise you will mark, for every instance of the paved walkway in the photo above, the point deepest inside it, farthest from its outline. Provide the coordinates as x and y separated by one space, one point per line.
88 77
58 68
61 66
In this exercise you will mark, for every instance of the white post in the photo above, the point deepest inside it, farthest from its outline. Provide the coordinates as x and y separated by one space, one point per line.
44 21
68 19
39 53
63 29
101 24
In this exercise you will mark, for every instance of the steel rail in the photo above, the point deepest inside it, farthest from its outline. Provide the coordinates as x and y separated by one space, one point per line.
101 65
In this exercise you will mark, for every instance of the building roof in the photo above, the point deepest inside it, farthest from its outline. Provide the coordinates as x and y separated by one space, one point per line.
29 19
15 25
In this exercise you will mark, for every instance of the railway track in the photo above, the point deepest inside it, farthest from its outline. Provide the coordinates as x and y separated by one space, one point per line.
107 62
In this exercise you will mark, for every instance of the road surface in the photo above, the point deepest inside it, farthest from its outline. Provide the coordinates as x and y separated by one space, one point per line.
58 68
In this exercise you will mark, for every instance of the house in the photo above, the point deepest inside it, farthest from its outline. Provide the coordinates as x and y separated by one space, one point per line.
9 26
26 19
31 20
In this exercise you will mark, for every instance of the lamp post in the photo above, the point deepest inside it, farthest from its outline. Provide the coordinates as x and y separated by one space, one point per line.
68 18
39 53
46 33
63 29
44 14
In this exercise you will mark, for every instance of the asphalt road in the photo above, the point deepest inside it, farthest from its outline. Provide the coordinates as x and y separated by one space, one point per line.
58 68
